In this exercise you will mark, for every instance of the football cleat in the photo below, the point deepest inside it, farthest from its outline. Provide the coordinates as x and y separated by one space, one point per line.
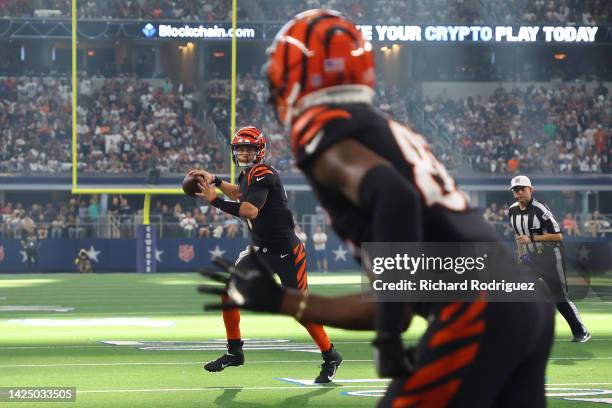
582 338
226 360
331 361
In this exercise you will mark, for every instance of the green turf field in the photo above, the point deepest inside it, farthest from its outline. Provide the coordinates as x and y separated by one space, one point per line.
47 348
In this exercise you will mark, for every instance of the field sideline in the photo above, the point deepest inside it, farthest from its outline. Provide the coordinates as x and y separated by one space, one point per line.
139 341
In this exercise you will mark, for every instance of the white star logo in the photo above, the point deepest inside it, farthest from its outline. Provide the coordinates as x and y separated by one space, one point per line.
92 253
340 253
583 253
158 254
216 252
24 255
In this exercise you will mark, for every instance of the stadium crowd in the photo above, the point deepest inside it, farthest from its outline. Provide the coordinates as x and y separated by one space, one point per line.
85 217
570 12
573 223
562 128
206 10
132 126
125 125
129 125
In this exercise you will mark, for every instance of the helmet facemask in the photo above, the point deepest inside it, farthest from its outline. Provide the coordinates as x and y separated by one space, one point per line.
245 155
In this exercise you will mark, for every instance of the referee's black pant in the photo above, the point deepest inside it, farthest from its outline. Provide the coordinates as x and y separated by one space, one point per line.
551 265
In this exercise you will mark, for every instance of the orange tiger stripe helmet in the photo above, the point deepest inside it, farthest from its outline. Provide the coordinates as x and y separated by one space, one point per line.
249 136
317 49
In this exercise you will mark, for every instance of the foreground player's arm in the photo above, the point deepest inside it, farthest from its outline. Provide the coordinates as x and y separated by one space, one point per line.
256 289
371 183
349 312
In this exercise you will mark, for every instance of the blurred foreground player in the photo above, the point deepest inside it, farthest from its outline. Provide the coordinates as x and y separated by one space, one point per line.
262 201
380 183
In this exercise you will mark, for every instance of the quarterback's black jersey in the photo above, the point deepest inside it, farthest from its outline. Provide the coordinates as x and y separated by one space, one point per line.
273 227
446 213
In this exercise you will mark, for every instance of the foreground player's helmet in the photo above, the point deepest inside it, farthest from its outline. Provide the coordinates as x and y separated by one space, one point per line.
249 136
318 57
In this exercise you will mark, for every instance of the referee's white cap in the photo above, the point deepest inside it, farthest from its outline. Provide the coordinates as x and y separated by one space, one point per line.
520 181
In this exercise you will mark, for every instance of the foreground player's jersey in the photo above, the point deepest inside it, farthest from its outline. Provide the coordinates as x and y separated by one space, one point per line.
446 213
273 227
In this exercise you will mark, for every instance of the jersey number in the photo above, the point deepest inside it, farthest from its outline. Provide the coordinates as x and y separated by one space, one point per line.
430 176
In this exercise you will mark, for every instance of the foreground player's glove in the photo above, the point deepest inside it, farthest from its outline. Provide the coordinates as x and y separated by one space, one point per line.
252 289
391 359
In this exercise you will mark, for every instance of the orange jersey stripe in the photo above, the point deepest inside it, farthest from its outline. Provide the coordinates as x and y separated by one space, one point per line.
300 249
449 310
262 172
437 397
463 327
301 272
442 367
320 121
448 334
300 256
254 169
304 119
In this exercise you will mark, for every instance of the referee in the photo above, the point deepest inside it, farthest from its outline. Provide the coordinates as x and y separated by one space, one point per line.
539 243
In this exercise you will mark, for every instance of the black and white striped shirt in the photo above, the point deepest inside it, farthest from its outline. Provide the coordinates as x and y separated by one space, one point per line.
535 219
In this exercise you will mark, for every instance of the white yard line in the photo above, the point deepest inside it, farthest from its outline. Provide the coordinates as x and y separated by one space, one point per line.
295 387
108 345
144 363
163 363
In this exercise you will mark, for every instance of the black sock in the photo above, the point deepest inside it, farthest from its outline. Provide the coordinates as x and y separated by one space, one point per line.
235 346
329 354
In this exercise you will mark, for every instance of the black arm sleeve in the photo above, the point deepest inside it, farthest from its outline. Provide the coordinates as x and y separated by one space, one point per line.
230 207
393 206
257 196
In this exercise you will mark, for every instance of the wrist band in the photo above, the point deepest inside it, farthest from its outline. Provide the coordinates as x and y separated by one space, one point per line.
532 238
301 307
217 181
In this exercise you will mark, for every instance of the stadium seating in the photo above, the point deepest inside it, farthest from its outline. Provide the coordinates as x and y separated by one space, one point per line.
591 12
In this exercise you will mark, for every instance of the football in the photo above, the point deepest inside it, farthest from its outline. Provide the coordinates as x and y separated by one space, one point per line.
190 185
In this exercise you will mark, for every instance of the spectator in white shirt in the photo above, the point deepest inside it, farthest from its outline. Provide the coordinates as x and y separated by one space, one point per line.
320 241
189 225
